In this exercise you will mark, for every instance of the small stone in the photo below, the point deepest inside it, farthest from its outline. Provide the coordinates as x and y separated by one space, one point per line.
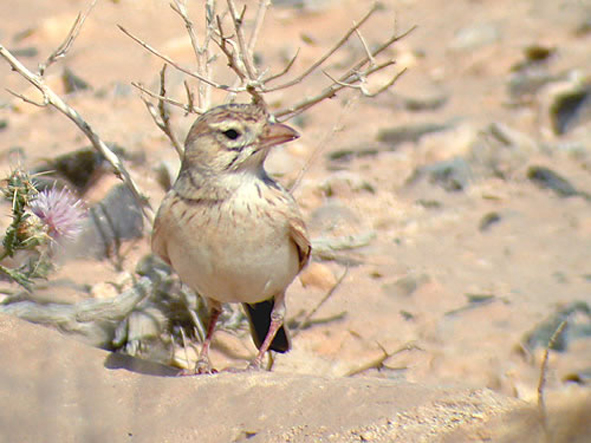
319 276
452 175
334 218
475 36
348 154
525 83
406 286
409 133
428 103
571 108
104 290
72 82
488 221
30 51
548 179
346 183
500 151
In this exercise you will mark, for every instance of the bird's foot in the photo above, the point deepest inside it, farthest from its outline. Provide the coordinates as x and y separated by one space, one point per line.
255 366
202 367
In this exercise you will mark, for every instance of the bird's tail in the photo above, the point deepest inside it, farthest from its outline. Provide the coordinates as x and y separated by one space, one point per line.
259 317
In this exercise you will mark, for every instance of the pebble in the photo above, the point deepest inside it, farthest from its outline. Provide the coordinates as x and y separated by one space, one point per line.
345 184
409 133
452 175
548 179
72 82
334 218
490 219
475 36
570 108
406 286
318 276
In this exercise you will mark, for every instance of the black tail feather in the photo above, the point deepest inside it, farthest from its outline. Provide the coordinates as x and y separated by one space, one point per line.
259 316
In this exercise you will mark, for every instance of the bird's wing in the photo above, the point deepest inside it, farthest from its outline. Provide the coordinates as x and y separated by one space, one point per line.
298 234
158 232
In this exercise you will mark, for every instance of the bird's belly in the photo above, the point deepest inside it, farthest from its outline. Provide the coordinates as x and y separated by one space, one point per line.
243 261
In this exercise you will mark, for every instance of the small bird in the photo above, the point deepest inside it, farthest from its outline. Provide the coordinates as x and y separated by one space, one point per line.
231 232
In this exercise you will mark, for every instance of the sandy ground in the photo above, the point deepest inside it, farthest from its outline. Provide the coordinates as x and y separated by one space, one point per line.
519 252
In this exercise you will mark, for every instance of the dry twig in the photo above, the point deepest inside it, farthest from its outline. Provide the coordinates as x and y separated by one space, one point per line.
189 108
378 362
69 40
327 55
202 53
53 99
176 65
543 371
244 55
160 114
238 51
306 321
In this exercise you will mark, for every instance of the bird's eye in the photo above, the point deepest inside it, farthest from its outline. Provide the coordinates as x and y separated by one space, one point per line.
232 134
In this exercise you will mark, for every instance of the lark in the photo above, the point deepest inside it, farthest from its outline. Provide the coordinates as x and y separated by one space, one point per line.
231 232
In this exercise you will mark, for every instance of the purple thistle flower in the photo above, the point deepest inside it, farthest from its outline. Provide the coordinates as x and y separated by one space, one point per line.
60 212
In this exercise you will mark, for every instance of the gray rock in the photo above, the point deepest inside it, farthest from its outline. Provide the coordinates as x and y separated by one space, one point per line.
548 179
410 133
114 219
570 109
452 175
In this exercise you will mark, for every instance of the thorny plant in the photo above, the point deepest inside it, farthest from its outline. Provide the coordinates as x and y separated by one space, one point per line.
40 220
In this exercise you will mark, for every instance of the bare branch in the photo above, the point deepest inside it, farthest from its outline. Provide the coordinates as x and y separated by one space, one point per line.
306 321
367 51
236 62
332 90
386 85
201 52
42 104
258 24
393 39
361 77
233 61
378 363
285 70
188 108
244 54
69 40
180 8
165 115
190 99
330 52
160 114
56 101
176 65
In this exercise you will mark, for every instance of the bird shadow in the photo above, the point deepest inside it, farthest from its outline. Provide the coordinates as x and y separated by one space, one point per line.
122 361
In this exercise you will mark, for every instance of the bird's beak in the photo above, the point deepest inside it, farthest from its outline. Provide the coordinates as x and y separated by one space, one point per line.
276 134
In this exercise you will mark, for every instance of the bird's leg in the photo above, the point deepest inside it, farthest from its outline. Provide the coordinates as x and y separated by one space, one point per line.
277 318
203 365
